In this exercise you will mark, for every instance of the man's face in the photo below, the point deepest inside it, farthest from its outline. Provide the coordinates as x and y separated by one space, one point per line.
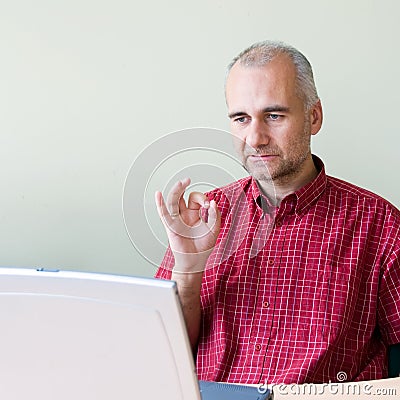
268 120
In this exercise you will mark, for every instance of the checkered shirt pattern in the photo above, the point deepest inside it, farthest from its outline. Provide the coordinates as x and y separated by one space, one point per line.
300 293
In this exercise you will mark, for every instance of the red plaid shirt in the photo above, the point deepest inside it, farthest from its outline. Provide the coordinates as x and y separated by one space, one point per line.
303 293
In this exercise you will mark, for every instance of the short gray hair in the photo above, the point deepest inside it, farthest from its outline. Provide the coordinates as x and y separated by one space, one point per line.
260 54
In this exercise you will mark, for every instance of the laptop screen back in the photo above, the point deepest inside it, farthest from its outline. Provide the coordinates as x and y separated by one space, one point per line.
71 335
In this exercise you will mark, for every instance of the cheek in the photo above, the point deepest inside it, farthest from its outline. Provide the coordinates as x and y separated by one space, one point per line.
289 135
239 144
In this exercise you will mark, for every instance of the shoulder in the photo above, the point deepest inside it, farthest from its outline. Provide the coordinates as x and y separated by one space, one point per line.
351 195
230 191
230 196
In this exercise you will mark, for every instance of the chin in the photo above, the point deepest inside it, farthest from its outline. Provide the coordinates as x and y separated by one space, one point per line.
263 176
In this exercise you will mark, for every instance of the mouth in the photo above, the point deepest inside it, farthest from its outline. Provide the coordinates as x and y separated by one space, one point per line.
261 157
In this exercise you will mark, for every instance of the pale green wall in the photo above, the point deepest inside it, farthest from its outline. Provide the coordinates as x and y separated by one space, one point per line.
86 85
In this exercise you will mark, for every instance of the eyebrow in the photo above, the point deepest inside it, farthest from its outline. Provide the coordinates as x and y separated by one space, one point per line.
270 109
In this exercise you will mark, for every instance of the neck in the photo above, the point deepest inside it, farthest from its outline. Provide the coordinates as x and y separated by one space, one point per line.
277 189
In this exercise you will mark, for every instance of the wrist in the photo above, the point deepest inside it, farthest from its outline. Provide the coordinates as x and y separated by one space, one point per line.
189 283
191 263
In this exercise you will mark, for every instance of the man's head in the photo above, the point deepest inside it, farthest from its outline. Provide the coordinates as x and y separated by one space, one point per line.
260 54
274 109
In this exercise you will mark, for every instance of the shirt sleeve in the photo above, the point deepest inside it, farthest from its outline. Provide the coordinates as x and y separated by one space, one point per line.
389 290
164 271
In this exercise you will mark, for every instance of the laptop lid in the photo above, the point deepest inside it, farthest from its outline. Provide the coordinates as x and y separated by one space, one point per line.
74 335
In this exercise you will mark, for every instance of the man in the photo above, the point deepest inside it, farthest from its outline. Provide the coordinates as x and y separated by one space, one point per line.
313 294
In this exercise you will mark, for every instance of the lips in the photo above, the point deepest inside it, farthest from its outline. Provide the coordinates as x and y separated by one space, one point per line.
261 156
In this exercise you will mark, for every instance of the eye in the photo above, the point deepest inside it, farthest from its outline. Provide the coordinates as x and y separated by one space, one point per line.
274 117
240 120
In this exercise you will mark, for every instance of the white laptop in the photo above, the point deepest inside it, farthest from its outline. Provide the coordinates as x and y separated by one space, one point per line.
85 336
73 335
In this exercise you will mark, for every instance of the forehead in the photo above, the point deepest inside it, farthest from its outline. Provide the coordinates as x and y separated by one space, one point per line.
274 82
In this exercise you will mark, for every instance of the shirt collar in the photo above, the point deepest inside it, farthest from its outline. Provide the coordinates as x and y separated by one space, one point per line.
300 200
308 194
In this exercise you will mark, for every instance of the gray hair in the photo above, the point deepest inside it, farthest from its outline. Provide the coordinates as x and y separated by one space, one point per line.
260 54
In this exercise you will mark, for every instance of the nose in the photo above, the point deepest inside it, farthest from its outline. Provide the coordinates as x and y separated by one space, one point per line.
258 134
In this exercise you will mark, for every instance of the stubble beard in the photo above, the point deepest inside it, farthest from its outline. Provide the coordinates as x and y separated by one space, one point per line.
277 174
285 168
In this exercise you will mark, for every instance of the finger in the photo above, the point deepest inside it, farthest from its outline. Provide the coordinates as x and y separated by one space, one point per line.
214 218
162 209
182 204
197 200
175 196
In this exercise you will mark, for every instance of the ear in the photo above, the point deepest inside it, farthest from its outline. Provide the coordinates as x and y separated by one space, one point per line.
316 117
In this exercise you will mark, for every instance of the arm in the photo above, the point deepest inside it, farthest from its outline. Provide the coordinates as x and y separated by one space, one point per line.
189 286
192 231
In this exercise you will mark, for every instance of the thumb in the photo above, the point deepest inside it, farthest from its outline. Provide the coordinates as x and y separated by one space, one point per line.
214 218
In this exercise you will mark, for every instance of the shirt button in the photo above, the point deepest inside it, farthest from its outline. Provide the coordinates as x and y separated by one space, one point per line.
278 223
258 347
271 261
266 304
